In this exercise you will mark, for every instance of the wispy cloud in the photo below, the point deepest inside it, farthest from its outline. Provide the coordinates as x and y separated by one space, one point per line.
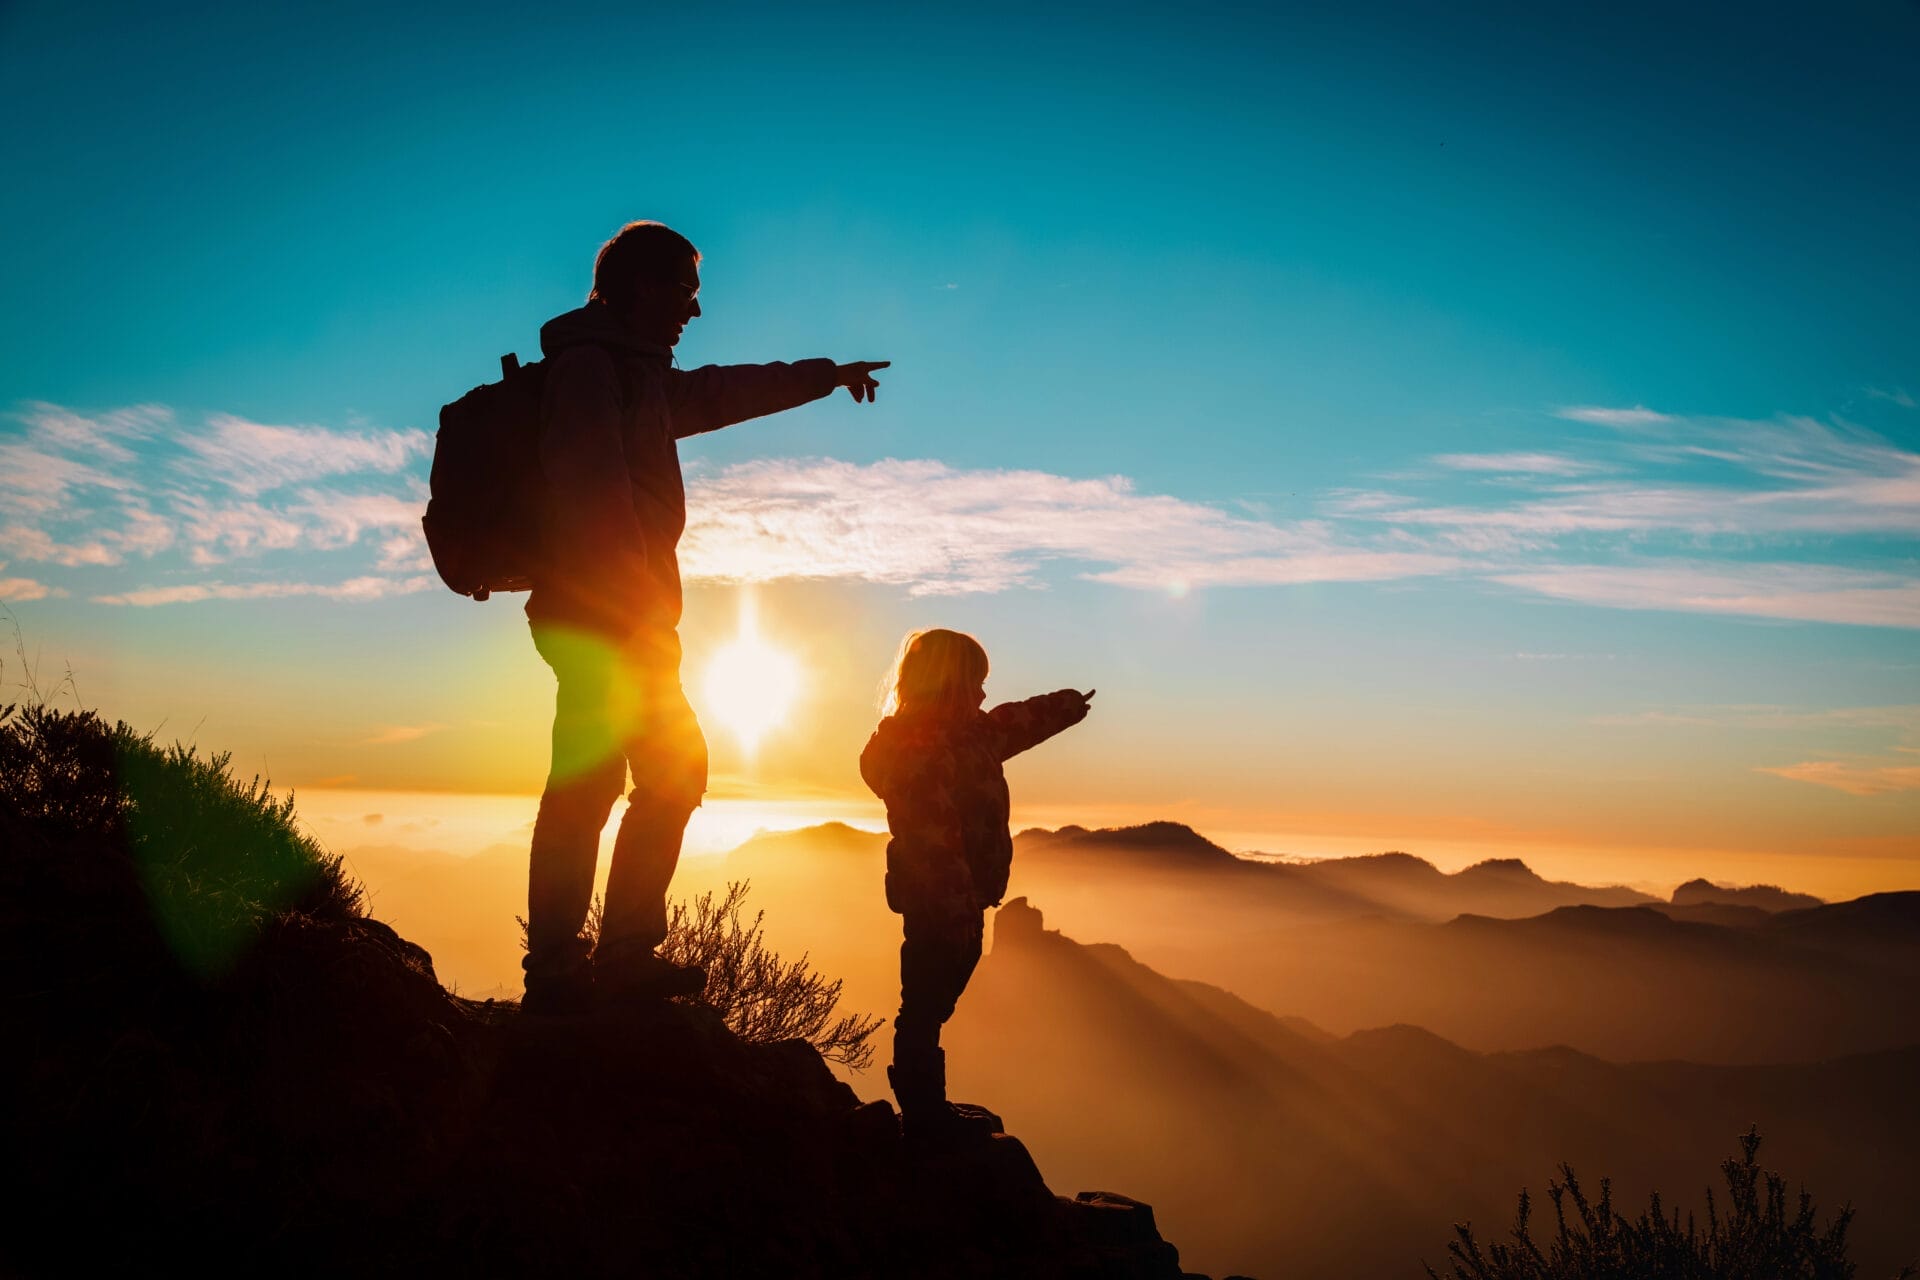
1854 778
95 491
37 480
394 734
1786 474
938 529
1538 464
1638 416
1632 508
366 587
1892 730
103 436
59 455
222 527
1655 717
1633 517
405 552
22 589
254 457
1811 593
1901 718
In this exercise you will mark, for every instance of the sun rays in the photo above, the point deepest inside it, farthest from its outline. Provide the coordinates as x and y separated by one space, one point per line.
750 686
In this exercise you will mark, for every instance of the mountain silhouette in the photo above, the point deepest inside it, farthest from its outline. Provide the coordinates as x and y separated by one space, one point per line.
1766 897
1881 929
1273 1148
1389 884
1494 956
1368 942
1156 841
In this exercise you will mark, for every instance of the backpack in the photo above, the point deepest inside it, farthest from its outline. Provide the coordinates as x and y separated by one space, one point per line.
483 518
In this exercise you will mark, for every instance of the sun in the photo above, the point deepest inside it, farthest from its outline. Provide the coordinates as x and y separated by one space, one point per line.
750 685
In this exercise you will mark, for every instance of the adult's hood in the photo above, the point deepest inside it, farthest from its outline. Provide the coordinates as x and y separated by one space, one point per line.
594 325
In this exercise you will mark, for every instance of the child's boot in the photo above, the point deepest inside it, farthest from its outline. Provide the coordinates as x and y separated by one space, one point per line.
926 1117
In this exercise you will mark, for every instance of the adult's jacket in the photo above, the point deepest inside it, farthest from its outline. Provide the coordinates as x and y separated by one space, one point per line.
614 411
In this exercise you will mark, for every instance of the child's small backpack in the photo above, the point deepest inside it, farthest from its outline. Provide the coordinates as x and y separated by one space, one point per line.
483 518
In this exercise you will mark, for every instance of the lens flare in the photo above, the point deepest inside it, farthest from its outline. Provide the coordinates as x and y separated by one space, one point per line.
750 686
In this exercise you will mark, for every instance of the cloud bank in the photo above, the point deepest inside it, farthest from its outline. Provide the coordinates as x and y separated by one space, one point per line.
1789 518
936 529
1793 518
141 490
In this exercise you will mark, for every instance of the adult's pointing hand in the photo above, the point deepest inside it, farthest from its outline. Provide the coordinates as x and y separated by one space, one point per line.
858 378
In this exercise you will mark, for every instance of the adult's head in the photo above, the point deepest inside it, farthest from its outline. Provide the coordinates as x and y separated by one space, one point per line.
649 274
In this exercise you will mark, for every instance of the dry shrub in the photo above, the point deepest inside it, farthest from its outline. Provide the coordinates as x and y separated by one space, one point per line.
762 998
1754 1237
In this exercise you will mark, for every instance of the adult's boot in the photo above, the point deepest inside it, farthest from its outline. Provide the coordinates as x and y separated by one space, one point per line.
636 973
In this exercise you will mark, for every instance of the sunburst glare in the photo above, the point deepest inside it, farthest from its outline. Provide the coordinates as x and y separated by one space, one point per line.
750 686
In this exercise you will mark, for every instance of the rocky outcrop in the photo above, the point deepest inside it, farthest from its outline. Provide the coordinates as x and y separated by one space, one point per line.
333 1107
216 1063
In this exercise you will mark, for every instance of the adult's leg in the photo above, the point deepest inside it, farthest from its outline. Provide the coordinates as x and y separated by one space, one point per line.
669 760
583 780
668 755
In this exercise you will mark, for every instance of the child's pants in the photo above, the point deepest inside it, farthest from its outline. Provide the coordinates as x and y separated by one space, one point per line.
937 957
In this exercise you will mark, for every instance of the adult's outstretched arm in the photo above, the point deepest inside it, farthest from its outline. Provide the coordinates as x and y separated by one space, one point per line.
719 395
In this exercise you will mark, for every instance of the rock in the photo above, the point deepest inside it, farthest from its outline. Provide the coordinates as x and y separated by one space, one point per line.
1018 922
1119 1234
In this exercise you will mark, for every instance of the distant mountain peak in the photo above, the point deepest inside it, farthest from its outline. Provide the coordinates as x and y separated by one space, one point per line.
1159 834
829 829
1506 868
1068 832
834 838
1767 897
1641 918
1154 837
1393 861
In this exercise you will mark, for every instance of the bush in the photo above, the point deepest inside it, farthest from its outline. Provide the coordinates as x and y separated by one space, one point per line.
1755 1239
95 818
762 998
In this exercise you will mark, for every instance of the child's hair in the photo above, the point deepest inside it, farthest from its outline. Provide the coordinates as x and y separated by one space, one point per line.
936 667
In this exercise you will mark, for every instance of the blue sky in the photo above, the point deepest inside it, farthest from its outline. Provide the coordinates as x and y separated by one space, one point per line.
1405 395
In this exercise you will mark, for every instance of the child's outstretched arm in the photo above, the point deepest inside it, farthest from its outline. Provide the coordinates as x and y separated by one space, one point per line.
1031 721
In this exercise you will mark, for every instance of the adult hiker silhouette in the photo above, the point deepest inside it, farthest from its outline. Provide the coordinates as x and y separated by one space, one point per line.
605 608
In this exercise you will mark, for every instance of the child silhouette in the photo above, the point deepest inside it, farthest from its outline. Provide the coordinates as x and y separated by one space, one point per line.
936 761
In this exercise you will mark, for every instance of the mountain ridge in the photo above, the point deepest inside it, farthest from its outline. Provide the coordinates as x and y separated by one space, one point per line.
1491 969
1382 1138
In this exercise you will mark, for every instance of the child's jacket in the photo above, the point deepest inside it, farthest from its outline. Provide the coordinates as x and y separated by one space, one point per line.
939 773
